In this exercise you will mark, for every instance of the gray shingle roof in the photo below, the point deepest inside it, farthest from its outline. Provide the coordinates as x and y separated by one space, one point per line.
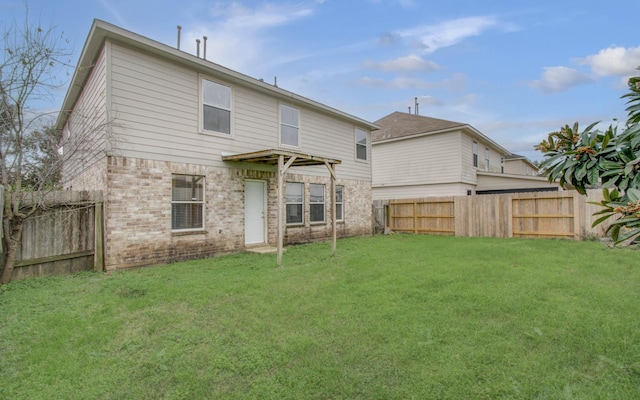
400 124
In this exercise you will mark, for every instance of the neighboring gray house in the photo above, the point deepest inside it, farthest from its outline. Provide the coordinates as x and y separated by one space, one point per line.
416 156
196 160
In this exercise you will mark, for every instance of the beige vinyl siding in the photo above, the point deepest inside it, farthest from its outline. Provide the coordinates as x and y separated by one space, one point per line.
508 182
332 138
86 126
494 160
468 171
518 167
426 159
420 191
157 105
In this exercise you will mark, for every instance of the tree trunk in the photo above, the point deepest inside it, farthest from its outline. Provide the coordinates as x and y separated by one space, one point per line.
12 241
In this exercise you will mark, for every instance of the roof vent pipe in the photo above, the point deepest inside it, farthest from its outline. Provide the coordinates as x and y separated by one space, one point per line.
416 105
198 48
275 81
179 29
204 48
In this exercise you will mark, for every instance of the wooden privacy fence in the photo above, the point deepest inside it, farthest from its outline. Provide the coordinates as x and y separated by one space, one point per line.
66 237
564 214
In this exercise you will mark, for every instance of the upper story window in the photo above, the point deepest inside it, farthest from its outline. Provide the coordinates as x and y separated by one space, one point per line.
475 154
502 165
289 126
362 144
486 158
187 202
216 107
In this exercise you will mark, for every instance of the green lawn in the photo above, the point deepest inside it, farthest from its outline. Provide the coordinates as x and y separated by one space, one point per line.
389 317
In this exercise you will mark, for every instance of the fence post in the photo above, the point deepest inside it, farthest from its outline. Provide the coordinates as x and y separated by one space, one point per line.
415 217
577 211
98 248
509 217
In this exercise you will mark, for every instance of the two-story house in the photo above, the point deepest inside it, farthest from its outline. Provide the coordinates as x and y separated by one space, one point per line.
416 156
196 160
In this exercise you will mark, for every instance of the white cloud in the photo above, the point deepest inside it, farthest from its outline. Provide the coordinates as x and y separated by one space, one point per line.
238 34
430 38
457 83
402 3
614 61
114 12
558 79
403 64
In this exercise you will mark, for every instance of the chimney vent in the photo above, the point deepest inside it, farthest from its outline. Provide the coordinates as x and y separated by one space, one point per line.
204 48
198 48
179 29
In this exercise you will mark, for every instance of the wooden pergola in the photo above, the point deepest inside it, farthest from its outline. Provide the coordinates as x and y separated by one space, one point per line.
284 160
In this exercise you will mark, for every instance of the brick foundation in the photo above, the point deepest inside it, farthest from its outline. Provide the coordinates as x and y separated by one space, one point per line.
138 211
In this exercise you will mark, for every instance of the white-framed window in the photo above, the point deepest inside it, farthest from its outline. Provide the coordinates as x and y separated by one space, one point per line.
475 154
316 203
216 107
289 126
295 202
187 202
502 165
486 158
339 203
362 144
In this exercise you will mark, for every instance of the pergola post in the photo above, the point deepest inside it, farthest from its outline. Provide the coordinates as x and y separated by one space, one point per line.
333 208
280 210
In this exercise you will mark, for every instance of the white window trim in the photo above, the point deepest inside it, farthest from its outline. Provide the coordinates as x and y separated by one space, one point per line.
474 155
203 202
201 107
324 204
487 158
280 123
287 203
367 146
341 219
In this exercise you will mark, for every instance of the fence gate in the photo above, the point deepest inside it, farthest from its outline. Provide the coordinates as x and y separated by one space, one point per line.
551 217
424 216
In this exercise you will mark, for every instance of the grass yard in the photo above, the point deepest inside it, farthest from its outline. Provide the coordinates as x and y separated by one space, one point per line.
390 317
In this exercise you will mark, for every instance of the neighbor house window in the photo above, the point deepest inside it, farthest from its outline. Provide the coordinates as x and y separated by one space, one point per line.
187 202
295 203
216 107
289 126
475 154
502 165
316 203
362 144
339 203
486 158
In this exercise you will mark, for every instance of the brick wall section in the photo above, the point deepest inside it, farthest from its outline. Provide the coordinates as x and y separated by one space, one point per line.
357 211
138 212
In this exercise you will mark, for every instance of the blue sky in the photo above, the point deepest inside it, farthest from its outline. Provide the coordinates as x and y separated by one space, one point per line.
513 70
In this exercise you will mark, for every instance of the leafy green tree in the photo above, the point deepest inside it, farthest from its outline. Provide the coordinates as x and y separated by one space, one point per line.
592 158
